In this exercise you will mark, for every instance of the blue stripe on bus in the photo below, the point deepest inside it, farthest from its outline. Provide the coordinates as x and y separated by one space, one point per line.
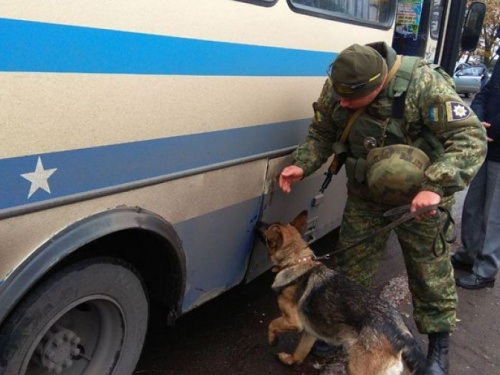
27 46
84 170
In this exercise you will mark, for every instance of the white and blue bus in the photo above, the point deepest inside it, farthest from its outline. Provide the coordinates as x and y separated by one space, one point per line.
141 142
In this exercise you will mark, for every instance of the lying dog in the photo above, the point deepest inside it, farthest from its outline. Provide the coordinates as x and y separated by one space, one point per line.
325 305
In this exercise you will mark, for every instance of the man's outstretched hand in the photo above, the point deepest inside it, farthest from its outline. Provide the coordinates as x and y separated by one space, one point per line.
290 175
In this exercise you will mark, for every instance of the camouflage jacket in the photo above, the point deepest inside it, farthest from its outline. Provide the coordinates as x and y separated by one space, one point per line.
431 107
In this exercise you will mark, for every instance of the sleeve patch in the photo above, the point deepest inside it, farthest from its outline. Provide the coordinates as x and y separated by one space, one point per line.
456 111
434 114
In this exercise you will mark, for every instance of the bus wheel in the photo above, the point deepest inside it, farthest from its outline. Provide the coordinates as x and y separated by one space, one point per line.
88 319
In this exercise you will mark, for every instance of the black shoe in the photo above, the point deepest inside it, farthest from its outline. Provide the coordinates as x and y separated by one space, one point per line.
323 350
473 281
437 356
459 265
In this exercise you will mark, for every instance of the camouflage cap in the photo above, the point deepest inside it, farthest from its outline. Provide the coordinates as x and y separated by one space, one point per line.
357 71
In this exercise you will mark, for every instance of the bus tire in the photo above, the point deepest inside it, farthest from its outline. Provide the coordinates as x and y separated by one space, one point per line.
87 319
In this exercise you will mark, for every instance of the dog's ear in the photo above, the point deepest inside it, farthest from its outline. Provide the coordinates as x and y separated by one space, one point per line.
300 222
274 237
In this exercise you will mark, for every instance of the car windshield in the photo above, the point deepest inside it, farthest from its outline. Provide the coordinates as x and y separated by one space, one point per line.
474 71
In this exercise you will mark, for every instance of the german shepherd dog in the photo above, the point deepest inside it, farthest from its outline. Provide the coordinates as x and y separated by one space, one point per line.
323 304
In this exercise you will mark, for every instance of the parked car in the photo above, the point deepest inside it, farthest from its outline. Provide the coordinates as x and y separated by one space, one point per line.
470 78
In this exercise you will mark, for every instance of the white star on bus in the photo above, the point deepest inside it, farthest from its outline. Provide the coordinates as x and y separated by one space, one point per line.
39 178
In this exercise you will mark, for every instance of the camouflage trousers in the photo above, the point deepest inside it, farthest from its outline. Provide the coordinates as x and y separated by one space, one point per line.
430 277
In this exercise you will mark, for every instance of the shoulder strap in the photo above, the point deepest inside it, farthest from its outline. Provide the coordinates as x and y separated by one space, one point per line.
401 83
404 75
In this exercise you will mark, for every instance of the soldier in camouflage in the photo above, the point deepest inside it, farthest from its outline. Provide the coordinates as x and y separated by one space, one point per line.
395 101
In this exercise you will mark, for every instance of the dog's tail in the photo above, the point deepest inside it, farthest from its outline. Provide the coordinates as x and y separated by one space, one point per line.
413 356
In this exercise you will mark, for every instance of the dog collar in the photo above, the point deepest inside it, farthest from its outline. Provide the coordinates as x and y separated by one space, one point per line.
302 260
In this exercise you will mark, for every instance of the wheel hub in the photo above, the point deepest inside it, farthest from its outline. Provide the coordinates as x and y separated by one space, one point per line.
58 348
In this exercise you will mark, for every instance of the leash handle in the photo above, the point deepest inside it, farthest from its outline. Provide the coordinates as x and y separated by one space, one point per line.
406 216
443 230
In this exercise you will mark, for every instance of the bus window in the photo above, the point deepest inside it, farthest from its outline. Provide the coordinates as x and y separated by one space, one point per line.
374 12
413 21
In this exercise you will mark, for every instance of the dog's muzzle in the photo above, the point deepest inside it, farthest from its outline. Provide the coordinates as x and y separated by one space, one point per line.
260 229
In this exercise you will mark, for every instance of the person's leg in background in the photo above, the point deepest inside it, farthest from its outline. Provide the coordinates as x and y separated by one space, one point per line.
487 261
473 223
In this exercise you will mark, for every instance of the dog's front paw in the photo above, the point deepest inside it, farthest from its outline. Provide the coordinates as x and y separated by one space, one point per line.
286 358
272 339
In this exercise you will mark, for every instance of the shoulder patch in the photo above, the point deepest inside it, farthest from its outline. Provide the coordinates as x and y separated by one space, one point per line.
434 114
456 111
319 116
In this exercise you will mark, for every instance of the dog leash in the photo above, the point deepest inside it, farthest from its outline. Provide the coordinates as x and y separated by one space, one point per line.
404 216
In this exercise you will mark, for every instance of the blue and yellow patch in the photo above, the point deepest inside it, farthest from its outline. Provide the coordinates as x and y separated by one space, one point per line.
434 114
456 111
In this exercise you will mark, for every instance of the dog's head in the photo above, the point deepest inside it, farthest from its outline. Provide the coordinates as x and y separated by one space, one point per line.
284 241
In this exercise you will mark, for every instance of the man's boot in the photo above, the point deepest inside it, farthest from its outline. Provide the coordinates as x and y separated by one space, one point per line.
437 356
